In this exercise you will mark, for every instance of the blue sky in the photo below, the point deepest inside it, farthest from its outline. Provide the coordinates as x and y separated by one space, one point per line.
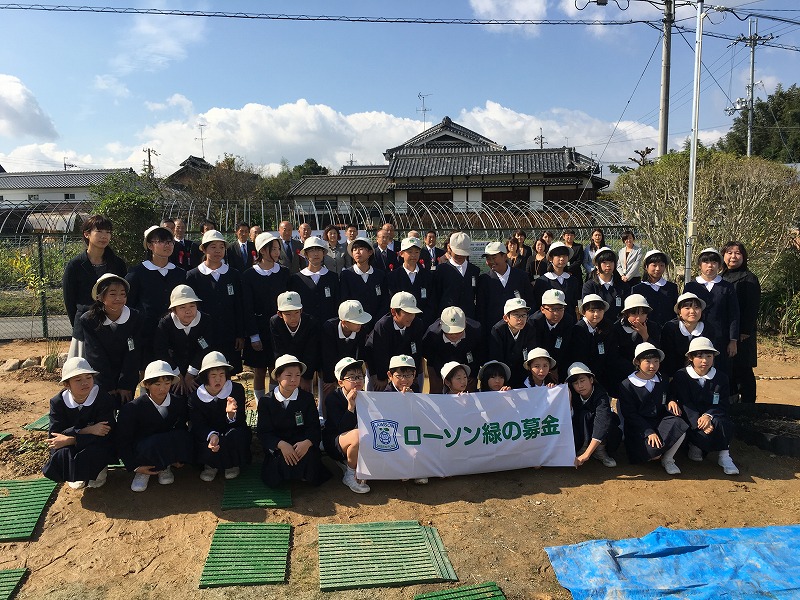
97 88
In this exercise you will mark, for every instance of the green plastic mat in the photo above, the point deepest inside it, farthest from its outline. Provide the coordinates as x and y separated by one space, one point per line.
21 505
248 491
247 554
467 592
10 582
382 554
40 424
4 435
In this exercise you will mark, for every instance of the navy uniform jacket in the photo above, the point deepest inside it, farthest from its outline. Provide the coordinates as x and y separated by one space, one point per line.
453 289
140 419
374 295
597 404
185 254
469 351
422 289
556 341
721 312
385 341
491 296
571 288
339 420
222 300
277 424
615 294
675 346
711 399
385 263
113 353
304 344
335 348
598 351
628 340
211 416
79 278
260 300
181 350
748 292
642 410
320 300
503 347
233 255
69 421
662 301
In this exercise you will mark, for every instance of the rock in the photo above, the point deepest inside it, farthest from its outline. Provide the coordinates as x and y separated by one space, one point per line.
62 358
33 361
12 364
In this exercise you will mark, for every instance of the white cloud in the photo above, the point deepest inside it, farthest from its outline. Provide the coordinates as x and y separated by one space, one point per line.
112 85
175 101
20 113
44 157
510 9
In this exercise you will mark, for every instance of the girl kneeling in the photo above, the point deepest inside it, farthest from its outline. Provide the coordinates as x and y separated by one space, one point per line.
594 425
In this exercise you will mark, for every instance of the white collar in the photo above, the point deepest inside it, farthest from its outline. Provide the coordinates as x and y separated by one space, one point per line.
275 268
151 266
369 271
123 318
660 283
462 268
414 272
177 322
342 336
551 327
164 404
514 335
712 372
397 327
639 382
205 270
320 273
293 333
588 326
204 396
449 341
69 399
504 277
702 281
282 399
698 330
626 328
561 278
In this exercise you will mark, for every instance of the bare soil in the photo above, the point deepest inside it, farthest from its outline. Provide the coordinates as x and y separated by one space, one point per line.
112 543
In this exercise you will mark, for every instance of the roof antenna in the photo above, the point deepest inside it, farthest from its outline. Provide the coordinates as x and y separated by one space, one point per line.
68 165
202 144
423 110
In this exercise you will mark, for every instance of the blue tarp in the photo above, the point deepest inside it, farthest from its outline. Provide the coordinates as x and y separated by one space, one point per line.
758 562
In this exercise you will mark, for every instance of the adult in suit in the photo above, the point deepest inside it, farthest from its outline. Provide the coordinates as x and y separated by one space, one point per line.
390 229
196 255
241 254
385 258
290 248
431 254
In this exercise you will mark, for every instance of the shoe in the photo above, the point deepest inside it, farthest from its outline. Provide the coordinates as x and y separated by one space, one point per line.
421 481
208 473
76 485
232 473
100 480
354 484
727 464
695 453
140 481
601 455
166 477
670 467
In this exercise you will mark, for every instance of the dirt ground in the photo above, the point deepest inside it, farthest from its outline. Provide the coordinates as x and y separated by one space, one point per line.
112 543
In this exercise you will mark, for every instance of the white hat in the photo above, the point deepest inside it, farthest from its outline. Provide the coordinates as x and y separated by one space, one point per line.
106 277
212 235
636 301
578 368
453 320
410 242
553 296
701 344
710 250
538 353
401 361
262 239
494 248
460 243
214 359
556 246
449 367
285 360
652 256
345 364
515 304
405 301
495 362
353 312
361 240
76 365
289 301
182 294
158 368
645 347
164 232
314 242
689 296
604 250
591 298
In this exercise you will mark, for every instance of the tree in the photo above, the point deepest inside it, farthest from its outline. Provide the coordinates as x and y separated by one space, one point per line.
641 161
776 128
736 198
133 203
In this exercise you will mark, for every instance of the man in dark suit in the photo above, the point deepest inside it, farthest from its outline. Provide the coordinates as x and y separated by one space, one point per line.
290 248
430 254
385 258
499 284
241 254
196 255
183 249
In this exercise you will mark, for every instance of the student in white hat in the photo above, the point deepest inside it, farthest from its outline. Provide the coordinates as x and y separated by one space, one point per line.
402 374
493 376
222 437
318 287
411 276
289 429
343 336
653 427
111 334
152 430
559 278
553 325
606 282
261 286
340 435
511 339
455 376
457 278
631 329
539 364
595 426
399 332
365 283
499 284
80 435
594 342
219 287
452 338
183 337
702 393
677 334
660 293
296 333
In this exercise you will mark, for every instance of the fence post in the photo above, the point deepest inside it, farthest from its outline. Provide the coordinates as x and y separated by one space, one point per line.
43 292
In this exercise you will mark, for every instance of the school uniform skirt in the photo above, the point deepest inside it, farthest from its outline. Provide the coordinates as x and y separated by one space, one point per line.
260 359
164 448
583 430
73 464
669 428
310 468
719 439
234 449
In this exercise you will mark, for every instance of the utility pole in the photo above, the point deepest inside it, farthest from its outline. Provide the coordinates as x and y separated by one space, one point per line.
423 110
149 167
540 138
666 61
690 224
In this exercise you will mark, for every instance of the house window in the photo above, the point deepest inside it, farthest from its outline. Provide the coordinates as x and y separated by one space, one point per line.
33 197
69 196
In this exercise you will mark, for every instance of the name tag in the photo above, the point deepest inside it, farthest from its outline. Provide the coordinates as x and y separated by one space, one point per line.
558 342
524 354
664 398
601 348
413 348
327 292
469 357
516 294
377 290
619 301
230 289
716 398
433 266
423 293
202 342
298 419
131 345
473 281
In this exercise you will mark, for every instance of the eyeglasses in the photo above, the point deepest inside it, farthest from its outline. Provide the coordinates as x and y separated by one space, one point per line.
405 375
354 378
554 309
519 316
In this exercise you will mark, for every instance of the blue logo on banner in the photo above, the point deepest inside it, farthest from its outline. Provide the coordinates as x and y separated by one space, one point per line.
384 435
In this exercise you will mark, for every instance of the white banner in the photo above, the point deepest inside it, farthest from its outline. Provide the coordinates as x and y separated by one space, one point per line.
404 436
